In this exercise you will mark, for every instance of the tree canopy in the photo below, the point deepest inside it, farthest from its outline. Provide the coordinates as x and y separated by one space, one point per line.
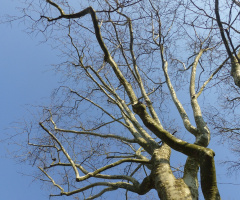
141 78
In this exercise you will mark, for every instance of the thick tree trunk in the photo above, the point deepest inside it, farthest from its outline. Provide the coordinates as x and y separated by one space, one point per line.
167 186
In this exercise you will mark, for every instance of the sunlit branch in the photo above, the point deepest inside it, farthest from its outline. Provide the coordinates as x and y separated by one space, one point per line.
136 74
107 57
141 189
210 78
154 37
118 101
92 174
46 146
134 188
122 50
215 19
130 119
193 74
97 134
102 176
201 125
177 103
102 192
56 6
140 82
110 184
62 148
134 125
139 134
53 182
95 104
183 64
105 85
127 86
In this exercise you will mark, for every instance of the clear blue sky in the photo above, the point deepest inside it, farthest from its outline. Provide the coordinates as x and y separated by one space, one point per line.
25 79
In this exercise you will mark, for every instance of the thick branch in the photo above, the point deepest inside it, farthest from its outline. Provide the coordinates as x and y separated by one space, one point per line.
146 141
177 103
235 60
204 155
204 136
146 185
208 178
144 93
56 6
107 56
236 2
221 29
173 142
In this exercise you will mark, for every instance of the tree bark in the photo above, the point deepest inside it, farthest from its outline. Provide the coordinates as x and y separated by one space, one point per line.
167 186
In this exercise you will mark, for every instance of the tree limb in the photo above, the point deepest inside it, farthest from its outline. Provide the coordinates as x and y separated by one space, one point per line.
107 56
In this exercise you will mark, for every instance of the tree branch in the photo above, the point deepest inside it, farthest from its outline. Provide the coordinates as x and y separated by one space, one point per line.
210 78
204 155
97 135
63 150
107 57
222 29
236 2
177 103
204 136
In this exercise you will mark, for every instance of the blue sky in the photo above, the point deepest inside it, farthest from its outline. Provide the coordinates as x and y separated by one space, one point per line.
26 79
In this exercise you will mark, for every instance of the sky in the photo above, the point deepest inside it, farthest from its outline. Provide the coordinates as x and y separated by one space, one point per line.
26 79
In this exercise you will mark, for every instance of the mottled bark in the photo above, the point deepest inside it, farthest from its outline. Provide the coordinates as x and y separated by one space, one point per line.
205 156
161 176
167 186
190 176
235 69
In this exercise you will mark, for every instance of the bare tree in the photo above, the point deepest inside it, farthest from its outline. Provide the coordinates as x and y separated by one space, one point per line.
228 40
115 124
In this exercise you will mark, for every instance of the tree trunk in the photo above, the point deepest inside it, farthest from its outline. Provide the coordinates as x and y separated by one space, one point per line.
235 70
167 186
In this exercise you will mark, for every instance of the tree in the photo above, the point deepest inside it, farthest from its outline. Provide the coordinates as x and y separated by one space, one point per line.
235 67
115 124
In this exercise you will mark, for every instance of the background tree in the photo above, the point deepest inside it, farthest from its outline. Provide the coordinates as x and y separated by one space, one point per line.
114 125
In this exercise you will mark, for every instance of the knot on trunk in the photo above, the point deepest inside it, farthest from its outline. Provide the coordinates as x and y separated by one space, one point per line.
139 108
